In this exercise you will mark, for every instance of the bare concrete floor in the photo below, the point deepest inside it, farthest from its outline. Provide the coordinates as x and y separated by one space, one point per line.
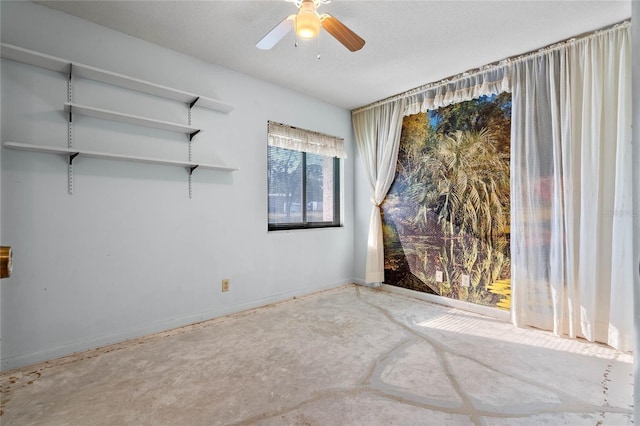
346 356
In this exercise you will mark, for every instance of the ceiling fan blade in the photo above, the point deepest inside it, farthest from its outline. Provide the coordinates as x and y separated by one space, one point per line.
276 34
342 33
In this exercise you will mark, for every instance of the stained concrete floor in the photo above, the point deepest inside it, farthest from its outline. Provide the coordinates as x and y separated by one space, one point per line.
352 355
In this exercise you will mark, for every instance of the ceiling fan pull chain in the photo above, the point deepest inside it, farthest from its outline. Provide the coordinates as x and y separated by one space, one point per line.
318 47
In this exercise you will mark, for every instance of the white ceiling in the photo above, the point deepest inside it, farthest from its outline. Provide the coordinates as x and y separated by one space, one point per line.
409 43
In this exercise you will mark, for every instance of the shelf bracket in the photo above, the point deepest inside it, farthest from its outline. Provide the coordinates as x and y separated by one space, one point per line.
191 135
70 172
72 156
191 169
194 102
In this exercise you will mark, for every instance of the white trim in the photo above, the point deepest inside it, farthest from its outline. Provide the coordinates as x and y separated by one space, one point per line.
496 313
70 348
360 281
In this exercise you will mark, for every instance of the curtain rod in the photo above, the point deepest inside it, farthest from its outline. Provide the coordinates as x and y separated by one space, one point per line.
501 63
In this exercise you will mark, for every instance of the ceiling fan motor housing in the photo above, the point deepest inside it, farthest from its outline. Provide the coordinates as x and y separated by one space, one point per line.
307 21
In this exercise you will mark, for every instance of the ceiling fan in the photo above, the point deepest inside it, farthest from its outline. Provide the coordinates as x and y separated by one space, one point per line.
307 23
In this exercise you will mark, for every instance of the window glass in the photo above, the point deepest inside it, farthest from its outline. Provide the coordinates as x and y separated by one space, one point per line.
304 190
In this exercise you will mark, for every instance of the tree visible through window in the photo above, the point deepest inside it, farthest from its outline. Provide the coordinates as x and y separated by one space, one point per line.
303 178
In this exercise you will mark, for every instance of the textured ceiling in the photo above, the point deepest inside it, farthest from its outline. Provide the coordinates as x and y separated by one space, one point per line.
409 43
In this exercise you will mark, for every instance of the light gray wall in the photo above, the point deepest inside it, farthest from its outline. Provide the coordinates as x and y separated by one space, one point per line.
635 31
129 253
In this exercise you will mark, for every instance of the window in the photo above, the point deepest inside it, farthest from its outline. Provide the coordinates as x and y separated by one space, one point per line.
304 178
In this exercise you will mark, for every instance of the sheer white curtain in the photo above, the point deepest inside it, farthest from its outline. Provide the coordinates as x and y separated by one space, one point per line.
377 132
635 40
571 196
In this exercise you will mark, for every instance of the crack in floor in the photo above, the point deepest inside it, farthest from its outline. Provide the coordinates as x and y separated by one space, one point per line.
605 390
440 352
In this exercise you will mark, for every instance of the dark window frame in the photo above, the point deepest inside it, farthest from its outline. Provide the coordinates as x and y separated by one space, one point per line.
304 224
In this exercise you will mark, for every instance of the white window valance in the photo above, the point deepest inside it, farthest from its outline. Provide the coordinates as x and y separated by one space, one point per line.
302 140
489 80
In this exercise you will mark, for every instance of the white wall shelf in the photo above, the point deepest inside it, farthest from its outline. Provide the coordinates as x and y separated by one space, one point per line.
66 67
72 69
129 119
73 152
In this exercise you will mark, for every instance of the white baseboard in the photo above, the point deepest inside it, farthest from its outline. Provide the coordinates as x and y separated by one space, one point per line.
71 348
364 283
496 313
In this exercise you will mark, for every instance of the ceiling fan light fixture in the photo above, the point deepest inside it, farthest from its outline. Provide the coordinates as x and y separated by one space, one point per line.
307 21
307 24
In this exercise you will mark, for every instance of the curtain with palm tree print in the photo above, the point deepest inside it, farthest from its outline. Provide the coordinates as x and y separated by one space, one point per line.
446 217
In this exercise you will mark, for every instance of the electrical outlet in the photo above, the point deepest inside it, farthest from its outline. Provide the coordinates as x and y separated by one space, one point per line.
439 277
465 281
225 285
